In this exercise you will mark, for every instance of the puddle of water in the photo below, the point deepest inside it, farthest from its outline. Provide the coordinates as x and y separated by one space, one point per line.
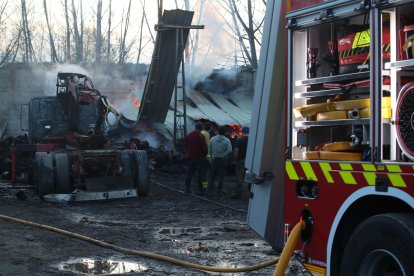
100 267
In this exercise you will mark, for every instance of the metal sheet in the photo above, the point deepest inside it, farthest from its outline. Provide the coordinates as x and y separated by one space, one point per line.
163 71
242 116
81 195
226 113
211 111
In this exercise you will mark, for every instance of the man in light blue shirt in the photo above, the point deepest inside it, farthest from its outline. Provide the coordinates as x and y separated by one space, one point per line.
219 149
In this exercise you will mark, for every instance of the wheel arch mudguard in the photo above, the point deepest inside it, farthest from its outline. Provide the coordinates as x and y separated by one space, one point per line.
363 197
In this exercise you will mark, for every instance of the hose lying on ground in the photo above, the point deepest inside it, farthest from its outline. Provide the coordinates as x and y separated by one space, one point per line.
142 253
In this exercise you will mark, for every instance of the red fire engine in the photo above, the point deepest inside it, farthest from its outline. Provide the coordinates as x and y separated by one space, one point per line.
332 134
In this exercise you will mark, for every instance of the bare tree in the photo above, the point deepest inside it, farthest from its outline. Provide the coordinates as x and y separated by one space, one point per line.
249 29
89 49
9 54
123 49
160 7
77 35
246 29
67 50
140 32
186 5
108 47
197 32
98 49
29 54
53 54
149 27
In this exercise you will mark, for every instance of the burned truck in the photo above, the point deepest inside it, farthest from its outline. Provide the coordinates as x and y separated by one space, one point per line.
71 153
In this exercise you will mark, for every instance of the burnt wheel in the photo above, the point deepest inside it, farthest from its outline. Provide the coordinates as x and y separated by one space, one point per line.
36 169
126 156
62 173
381 245
141 178
45 175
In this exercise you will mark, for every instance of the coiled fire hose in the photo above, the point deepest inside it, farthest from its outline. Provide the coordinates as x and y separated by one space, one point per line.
281 267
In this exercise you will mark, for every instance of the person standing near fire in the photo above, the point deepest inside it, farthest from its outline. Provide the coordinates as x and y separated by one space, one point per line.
206 133
219 149
239 155
196 149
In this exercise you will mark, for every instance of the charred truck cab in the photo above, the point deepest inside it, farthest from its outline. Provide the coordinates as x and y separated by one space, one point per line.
332 133
72 155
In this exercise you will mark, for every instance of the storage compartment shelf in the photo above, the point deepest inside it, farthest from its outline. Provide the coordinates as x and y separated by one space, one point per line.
406 64
328 92
337 78
342 122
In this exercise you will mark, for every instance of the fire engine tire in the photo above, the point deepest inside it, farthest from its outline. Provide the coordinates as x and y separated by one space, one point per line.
381 245
126 156
36 170
142 180
62 173
45 175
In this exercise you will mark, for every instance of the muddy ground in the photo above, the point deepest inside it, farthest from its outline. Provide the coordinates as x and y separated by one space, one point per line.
210 231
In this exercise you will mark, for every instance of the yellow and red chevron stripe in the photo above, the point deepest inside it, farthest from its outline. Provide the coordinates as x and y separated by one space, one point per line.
350 173
315 270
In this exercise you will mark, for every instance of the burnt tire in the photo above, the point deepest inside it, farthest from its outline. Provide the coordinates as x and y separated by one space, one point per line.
126 158
45 175
62 178
36 169
141 176
381 245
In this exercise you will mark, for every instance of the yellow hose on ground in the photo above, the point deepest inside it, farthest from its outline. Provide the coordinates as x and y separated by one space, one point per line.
288 249
142 253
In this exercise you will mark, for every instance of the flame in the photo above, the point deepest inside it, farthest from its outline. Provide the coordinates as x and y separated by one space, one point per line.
235 130
137 104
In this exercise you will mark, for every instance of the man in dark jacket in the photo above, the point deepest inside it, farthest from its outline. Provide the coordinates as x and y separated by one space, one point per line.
239 155
196 149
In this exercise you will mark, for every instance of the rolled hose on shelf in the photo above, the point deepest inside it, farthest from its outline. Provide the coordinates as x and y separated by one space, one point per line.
279 271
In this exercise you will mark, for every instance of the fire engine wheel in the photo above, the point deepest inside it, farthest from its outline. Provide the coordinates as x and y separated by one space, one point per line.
45 175
62 173
126 156
142 181
381 245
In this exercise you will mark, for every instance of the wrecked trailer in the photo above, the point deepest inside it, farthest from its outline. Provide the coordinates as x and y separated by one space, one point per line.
71 153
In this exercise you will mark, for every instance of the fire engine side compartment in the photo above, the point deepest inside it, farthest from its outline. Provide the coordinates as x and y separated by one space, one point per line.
352 193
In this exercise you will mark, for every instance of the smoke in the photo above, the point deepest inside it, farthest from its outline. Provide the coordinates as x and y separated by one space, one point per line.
224 81
121 92
48 74
216 42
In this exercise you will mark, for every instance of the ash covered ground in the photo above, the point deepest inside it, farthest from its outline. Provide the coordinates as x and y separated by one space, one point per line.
209 231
